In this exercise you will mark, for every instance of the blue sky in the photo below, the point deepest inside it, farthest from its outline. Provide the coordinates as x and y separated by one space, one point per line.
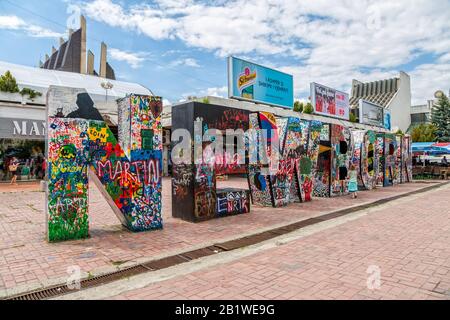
179 48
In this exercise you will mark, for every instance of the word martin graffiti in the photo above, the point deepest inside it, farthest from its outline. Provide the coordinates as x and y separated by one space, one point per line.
128 171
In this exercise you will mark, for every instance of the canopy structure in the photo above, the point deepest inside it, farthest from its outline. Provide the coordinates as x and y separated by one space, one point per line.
41 79
442 147
430 148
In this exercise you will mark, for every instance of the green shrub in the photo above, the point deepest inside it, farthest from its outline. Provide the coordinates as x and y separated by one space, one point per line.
32 93
8 83
308 109
298 106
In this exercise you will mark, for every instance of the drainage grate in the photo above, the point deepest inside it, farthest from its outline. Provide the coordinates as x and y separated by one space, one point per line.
110 277
207 251
200 253
85 284
42 294
166 262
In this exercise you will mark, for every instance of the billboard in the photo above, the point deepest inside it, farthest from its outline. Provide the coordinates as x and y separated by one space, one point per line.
371 114
387 119
252 82
330 102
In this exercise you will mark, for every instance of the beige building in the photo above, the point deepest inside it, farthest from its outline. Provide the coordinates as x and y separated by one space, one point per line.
73 56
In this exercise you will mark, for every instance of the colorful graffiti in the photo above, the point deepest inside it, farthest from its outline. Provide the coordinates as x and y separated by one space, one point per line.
381 159
130 179
230 164
334 158
259 186
366 158
313 159
68 179
292 181
273 189
358 141
315 130
406 159
182 181
195 196
228 119
258 182
205 191
232 202
390 159
398 160
282 127
322 172
132 184
307 157
294 149
342 146
268 124
281 182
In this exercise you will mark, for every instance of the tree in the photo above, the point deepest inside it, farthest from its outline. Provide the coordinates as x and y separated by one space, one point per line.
298 106
353 117
308 109
425 132
440 117
205 100
8 83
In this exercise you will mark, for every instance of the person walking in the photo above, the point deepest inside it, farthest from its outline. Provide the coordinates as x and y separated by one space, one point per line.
353 181
444 161
13 166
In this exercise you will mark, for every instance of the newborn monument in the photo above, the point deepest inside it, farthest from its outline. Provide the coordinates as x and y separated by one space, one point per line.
127 170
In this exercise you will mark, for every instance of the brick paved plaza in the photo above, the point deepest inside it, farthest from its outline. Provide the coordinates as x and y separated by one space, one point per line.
407 239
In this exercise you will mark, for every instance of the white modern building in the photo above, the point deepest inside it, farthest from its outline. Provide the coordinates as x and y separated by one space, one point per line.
392 94
22 120
421 113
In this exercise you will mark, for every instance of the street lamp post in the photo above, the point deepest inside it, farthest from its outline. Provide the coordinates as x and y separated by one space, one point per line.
107 86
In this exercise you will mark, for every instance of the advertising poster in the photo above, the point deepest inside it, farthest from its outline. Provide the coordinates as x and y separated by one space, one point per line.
387 119
330 102
371 114
255 83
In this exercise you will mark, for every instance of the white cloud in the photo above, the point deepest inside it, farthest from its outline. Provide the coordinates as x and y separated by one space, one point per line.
189 62
135 60
445 58
331 42
217 92
15 23
221 92
141 18
429 78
